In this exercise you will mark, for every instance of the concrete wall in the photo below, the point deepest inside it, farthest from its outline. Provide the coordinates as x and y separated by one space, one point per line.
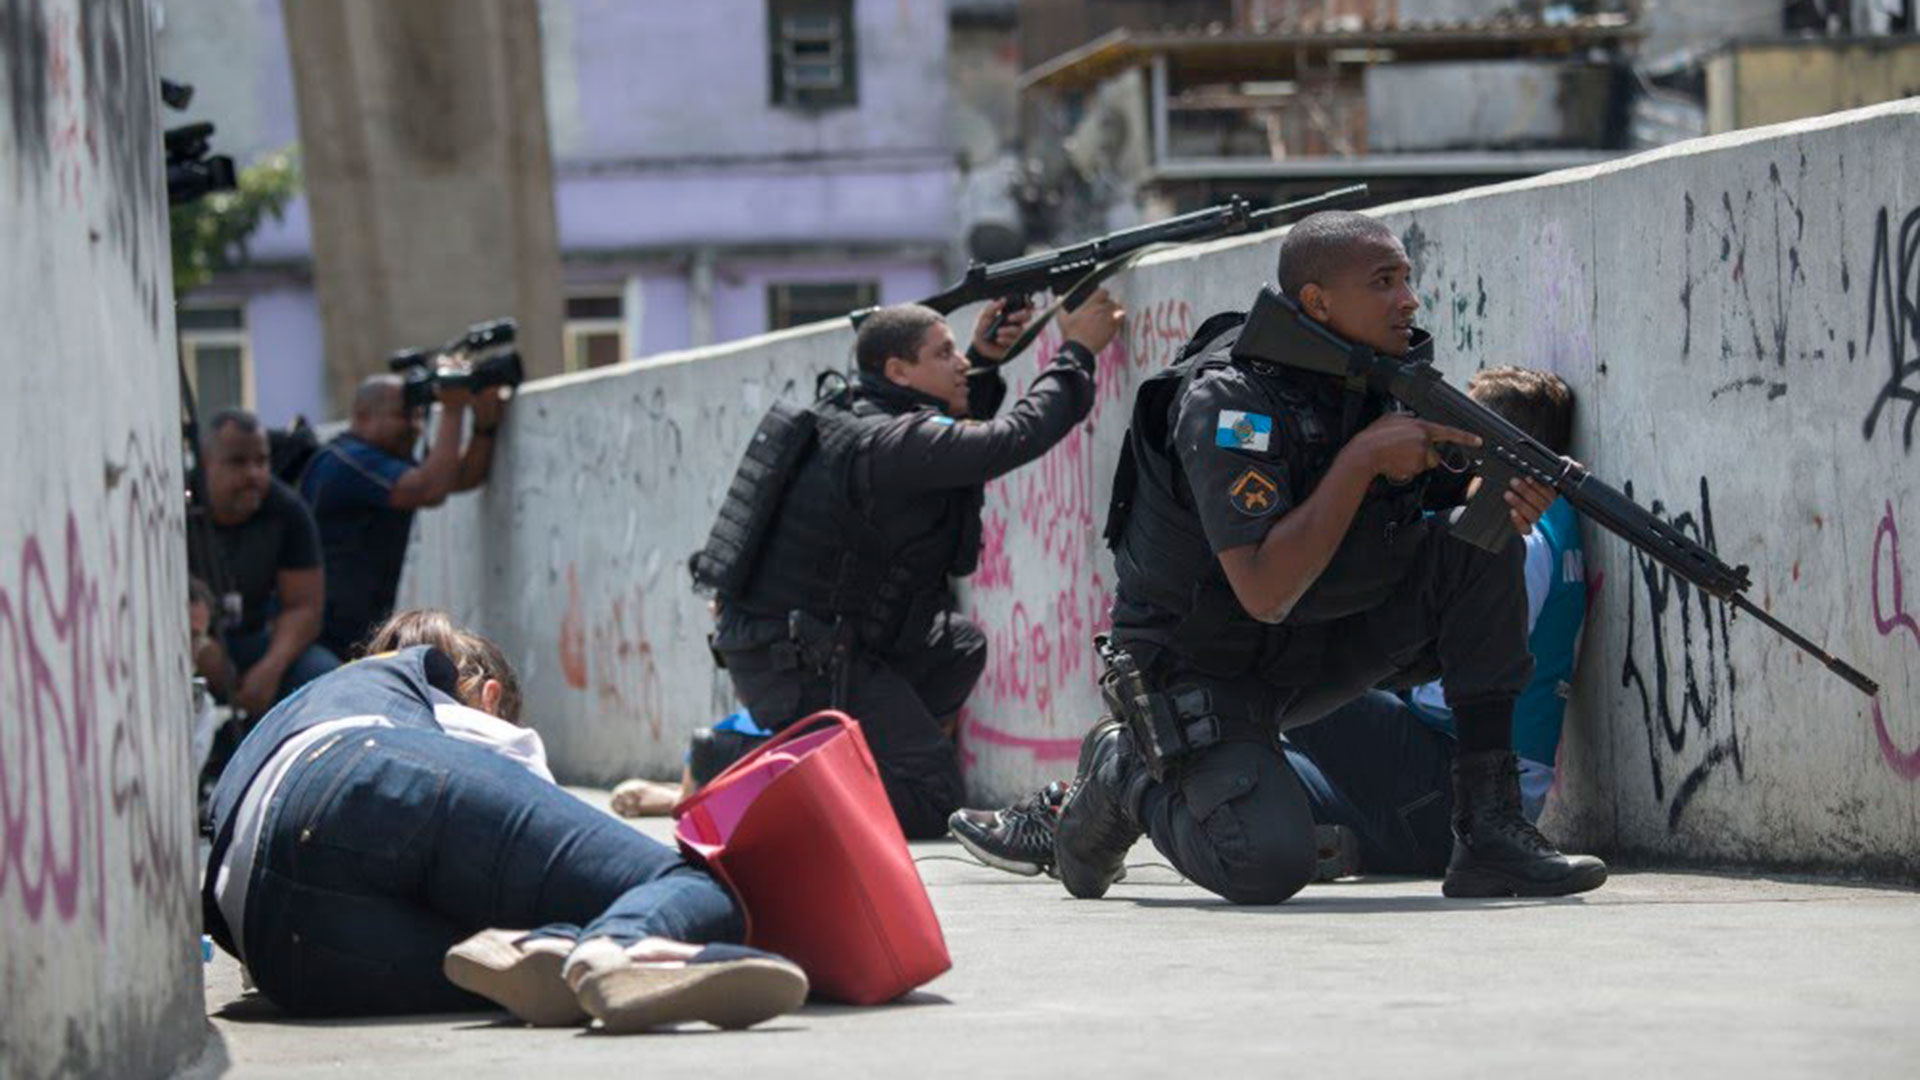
1739 315
99 965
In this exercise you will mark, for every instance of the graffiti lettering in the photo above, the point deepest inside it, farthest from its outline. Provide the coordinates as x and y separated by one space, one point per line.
1893 301
1042 525
1894 616
1693 736
91 678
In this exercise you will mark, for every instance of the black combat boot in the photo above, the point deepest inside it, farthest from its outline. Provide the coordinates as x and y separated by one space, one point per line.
1496 850
1098 823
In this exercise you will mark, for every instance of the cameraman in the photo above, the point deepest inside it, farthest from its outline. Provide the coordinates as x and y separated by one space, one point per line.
364 486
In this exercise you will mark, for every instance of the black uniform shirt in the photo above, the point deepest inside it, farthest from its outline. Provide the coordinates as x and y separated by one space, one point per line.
906 476
1236 441
279 536
926 450
1253 445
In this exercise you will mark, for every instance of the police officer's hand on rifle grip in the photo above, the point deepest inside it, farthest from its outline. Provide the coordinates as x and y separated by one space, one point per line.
1000 325
1400 447
1094 323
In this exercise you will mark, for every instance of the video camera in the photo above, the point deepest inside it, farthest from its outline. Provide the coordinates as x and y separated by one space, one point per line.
496 365
191 171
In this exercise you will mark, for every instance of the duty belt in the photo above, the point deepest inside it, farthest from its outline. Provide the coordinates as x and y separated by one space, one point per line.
1166 725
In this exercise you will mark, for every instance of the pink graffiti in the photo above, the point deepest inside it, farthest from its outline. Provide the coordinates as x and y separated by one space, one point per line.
1041 578
1042 749
31 859
996 568
612 655
1905 763
74 757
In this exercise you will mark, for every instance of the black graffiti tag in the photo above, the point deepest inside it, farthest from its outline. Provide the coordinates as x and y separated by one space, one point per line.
1704 713
1894 298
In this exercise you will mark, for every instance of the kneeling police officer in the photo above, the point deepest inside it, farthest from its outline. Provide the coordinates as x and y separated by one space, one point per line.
836 593
1275 559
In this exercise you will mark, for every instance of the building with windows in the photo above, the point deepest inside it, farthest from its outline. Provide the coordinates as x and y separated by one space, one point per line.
721 169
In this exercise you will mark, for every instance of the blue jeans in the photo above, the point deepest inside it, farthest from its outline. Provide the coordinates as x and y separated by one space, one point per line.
1375 767
245 650
387 846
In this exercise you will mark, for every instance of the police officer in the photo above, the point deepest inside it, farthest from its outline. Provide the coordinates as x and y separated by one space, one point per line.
849 605
1274 561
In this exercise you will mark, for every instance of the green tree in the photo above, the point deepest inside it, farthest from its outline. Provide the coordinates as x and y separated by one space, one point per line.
210 234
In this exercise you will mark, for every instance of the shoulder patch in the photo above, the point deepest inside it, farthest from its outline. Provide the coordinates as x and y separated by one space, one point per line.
1254 494
1243 430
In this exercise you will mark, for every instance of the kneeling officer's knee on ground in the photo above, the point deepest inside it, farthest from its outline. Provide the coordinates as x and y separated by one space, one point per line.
1237 824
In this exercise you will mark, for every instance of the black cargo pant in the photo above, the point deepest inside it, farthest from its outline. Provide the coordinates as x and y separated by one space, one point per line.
902 702
1232 817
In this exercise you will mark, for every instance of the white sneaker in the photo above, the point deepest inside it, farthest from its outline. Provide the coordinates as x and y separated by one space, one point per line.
518 973
728 986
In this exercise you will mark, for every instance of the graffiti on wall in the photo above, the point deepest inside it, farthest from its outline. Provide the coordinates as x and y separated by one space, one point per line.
610 655
82 108
1752 246
90 677
1042 525
1686 697
1890 616
1893 310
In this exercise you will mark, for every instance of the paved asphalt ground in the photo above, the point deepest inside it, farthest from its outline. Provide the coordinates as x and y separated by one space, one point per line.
1656 974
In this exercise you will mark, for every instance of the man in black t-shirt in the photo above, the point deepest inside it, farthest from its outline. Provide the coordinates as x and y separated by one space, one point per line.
263 565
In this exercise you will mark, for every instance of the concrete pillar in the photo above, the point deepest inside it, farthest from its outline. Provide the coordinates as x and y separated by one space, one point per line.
633 307
702 298
99 907
423 135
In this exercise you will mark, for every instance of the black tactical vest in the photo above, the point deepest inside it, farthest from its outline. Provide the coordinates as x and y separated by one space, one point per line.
830 556
1164 564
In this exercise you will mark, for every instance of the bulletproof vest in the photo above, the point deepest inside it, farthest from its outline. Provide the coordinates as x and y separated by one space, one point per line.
827 555
1161 554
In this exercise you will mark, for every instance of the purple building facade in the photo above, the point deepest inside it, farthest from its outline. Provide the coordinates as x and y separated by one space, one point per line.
721 169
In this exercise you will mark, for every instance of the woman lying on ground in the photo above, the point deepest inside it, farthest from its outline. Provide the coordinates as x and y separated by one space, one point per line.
376 830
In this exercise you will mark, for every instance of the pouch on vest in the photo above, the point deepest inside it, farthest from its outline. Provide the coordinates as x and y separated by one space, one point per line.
725 564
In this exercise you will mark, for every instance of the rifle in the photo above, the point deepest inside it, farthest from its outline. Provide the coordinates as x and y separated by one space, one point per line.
1277 332
1072 273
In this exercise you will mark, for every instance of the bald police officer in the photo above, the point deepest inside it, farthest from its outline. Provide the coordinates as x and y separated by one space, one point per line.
1274 561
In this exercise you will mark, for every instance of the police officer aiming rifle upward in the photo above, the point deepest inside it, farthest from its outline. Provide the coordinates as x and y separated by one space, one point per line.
1275 560
834 548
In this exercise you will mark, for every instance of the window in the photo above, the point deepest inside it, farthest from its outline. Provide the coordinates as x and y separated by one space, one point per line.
800 303
812 47
213 347
596 333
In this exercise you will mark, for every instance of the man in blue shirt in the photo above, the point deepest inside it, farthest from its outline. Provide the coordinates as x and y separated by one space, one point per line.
365 484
